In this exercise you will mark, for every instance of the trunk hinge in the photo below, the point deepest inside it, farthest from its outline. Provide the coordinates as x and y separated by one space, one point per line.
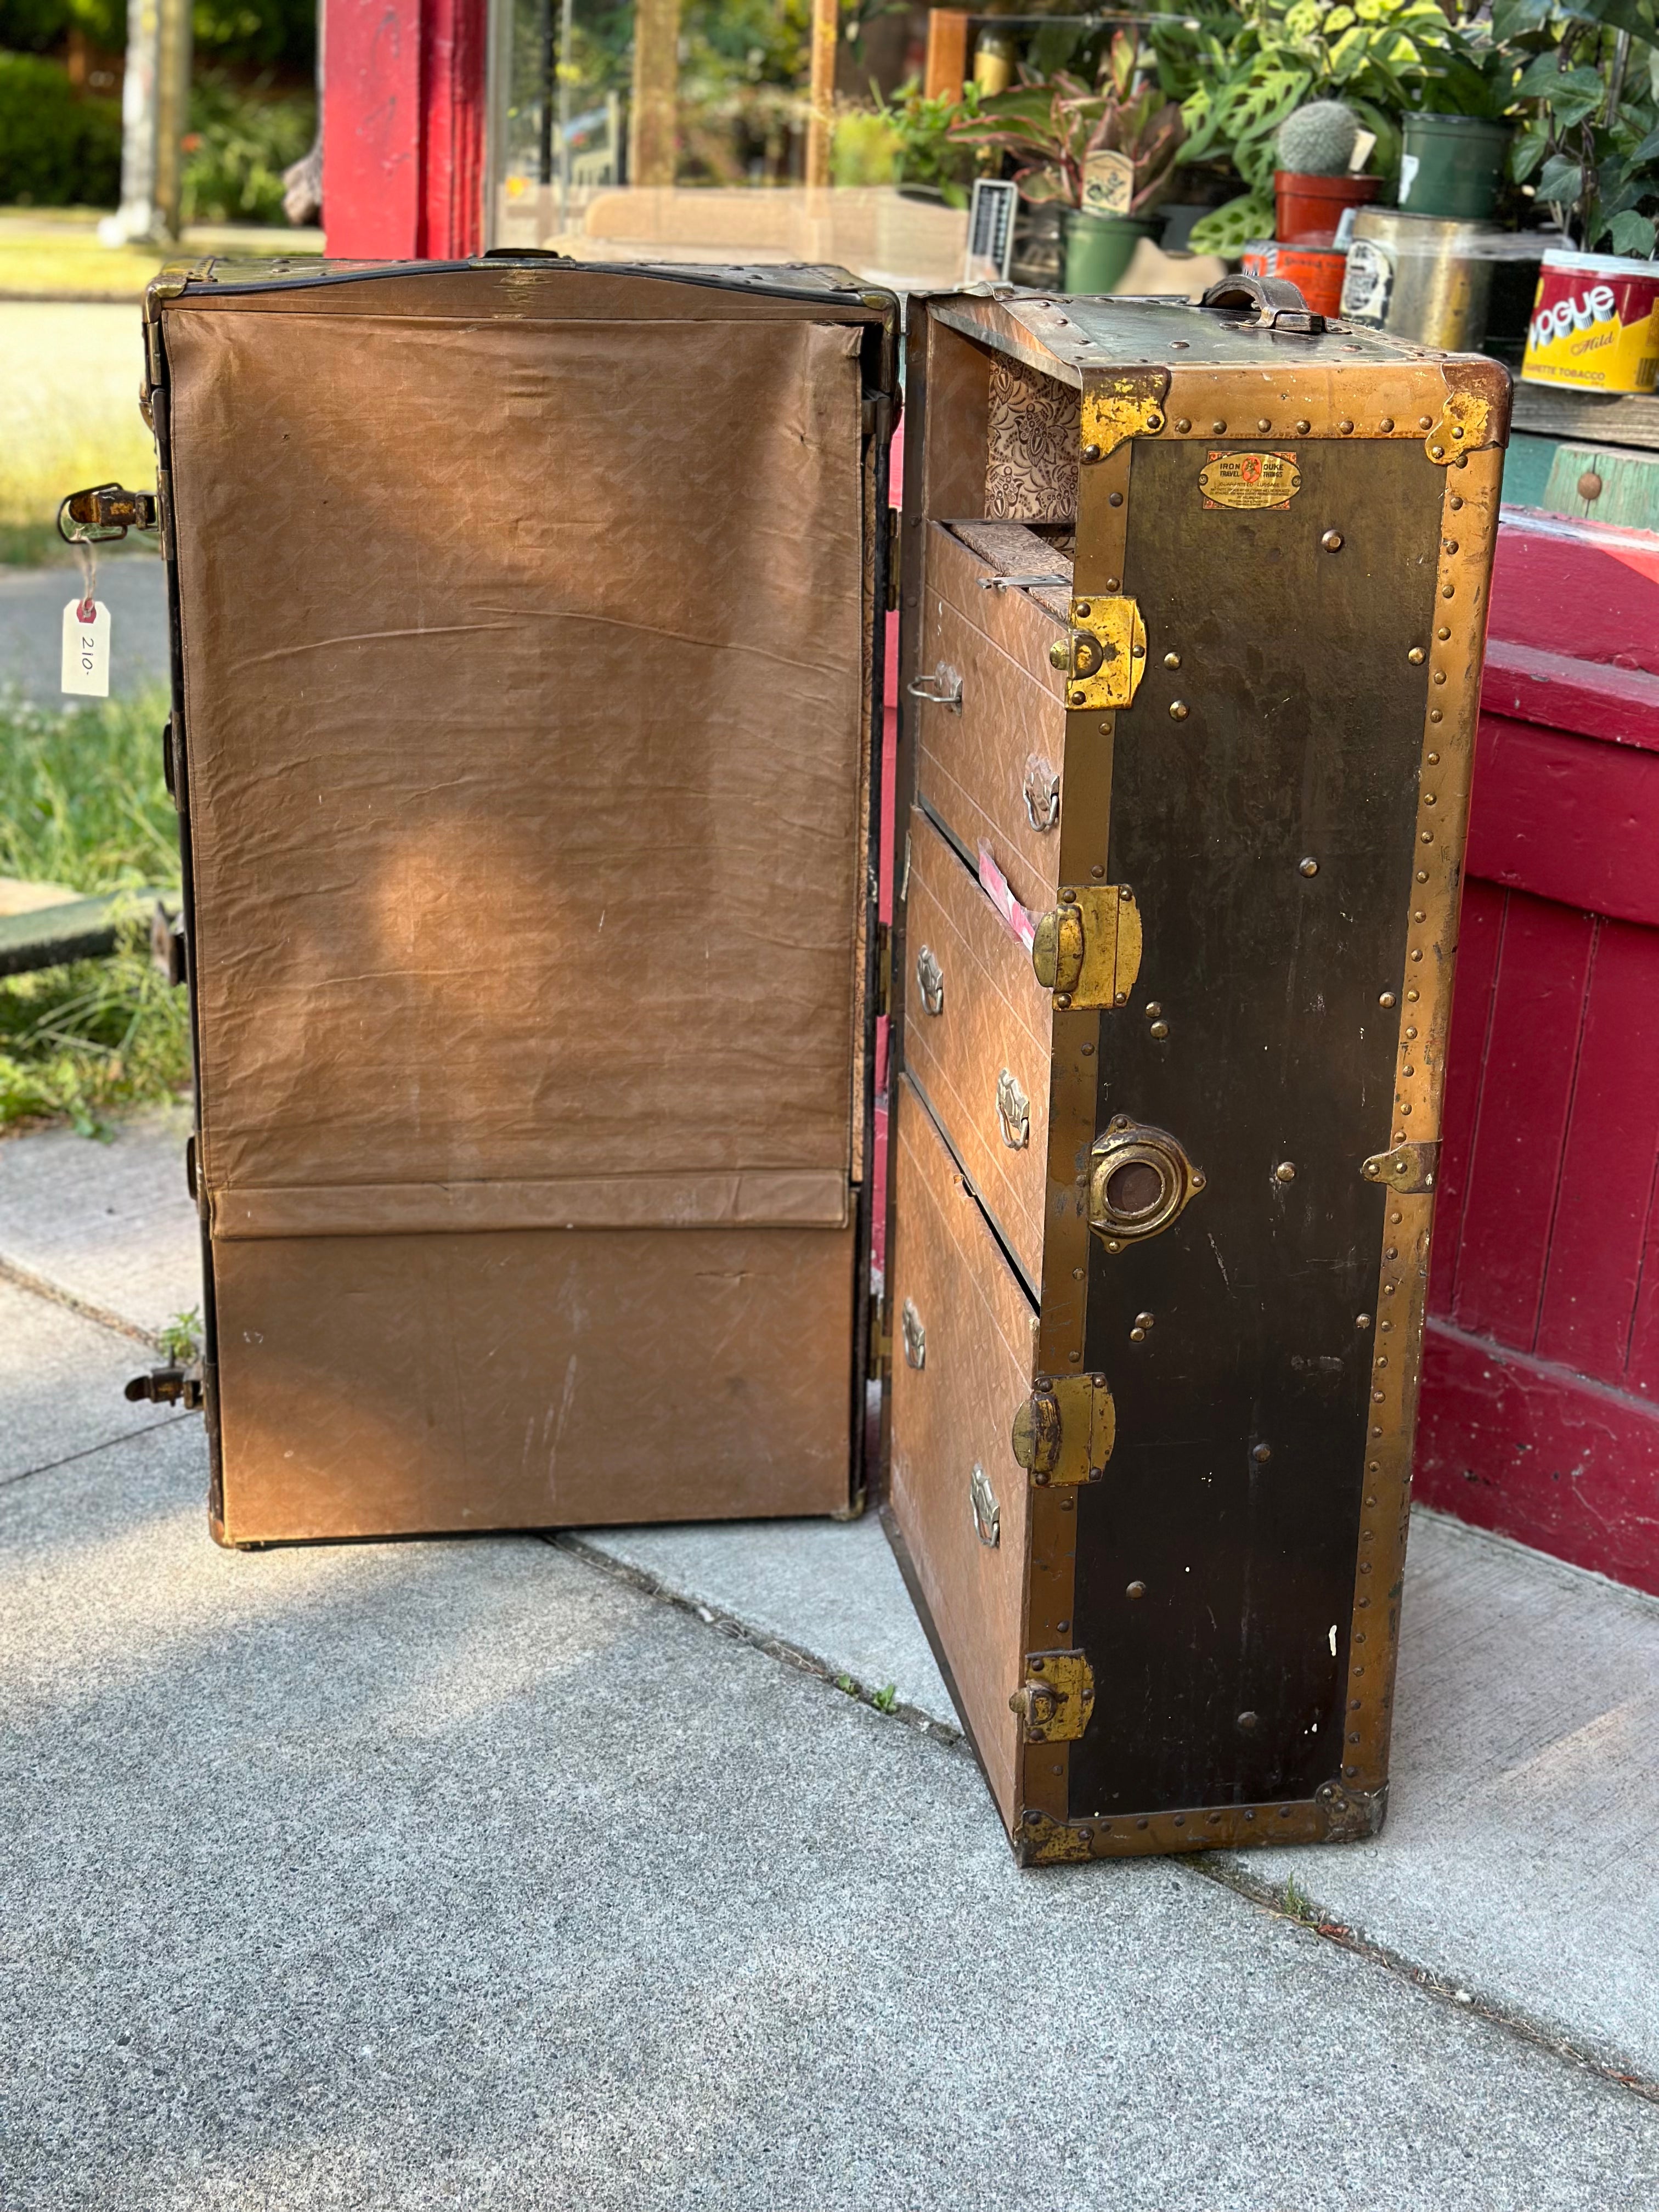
1065 1431
1054 1701
105 511
1409 1169
1087 948
1105 656
169 1386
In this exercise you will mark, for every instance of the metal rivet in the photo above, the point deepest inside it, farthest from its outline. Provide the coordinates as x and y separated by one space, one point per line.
1435 715
1136 1589
1345 426
1184 424
1178 710
1387 423
1262 424
1425 836
1159 1030
1077 1274
1091 452
1114 498
1434 762
1332 541
1437 453
1172 660
1179 1821
1454 503
1060 655
1286 1171
1308 867
1152 1007
1284 1811
1439 675
1362 1320
1415 656
1080 698
1386 999
1217 428
1137 1336
1076 1359
1113 583
1261 1454
1443 633
1246 1721
1303 426
1142 1320
1448 590
1448 545
1426 421
1411 994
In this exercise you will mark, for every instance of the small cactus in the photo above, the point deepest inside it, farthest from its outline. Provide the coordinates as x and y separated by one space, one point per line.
1318 140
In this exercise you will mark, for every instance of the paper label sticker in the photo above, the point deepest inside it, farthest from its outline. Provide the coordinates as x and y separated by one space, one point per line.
997 889
1109 182
1249 479
86 650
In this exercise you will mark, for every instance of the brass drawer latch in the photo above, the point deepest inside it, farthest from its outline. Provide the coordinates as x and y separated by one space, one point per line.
1087 948
1065 1431
1409 1169
1105 656
1057 1697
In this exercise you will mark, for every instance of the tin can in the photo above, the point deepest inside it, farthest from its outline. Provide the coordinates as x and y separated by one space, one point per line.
1421 276
1594 326
1316 272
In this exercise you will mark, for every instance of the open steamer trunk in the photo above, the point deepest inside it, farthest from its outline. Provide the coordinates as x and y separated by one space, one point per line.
1194 612
523 714
526 677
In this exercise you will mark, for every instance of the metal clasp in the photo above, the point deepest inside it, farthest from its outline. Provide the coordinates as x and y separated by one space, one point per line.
103 512
942 688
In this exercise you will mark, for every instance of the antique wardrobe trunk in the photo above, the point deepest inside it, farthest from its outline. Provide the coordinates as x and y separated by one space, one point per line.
526 737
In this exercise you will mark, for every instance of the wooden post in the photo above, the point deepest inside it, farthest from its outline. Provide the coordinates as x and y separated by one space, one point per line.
826 30
946 68
652 126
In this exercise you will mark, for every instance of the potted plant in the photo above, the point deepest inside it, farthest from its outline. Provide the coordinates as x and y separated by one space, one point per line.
1239 75
1313 178
1106 157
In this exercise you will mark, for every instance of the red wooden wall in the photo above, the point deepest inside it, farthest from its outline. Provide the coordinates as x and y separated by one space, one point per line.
403 129
1541 1391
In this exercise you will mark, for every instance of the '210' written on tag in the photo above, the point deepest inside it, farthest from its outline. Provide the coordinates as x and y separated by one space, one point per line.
86 648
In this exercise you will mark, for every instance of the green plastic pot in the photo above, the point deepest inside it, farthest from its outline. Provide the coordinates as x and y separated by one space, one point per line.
1451 165
1100 247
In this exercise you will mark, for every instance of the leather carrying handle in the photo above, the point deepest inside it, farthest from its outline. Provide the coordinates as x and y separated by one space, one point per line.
1277 303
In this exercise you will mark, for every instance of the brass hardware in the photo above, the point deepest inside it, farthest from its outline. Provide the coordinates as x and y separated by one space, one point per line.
1044 1841
946 691
1060 653
1286 1171
1249 480
168 1386
1172 660
1463 426
1064 1432
1108 652
1261 1454
1350 1816
1415 656
1145 1320
103 512
988 1514
1115 408
1308 867
1179 710
915 1334
1041 791
1055 1701
1159 1030
1013 1112
1409 1168
1087 948
930 980
1332 541
1141 1179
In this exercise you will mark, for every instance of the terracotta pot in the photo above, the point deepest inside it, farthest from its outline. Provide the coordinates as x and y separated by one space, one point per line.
1307 210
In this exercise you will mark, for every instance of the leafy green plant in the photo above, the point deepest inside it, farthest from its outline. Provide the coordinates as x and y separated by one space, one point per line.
1239 77
884 1700
1051 126
56 150
181 1340
927 150
241 141
82 803
1590 149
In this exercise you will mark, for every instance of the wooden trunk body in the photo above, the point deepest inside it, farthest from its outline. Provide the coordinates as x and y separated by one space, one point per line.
1150 1432
526 690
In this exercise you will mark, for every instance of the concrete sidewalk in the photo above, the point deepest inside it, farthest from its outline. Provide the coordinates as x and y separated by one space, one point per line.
508 1873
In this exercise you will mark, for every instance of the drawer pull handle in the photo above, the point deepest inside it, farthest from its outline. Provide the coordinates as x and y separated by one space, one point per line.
942 688
988 1514
1041 790
930 980
1013 1113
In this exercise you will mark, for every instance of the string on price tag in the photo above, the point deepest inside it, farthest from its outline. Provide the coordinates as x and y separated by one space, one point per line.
85 635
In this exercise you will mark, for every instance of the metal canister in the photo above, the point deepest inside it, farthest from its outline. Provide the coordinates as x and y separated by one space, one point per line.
1427 277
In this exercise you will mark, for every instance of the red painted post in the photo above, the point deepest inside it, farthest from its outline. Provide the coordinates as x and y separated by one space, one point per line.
403 129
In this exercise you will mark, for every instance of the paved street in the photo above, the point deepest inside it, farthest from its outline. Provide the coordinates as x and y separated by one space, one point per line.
505 1872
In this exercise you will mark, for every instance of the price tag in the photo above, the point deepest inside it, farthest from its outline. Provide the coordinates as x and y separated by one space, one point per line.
86 648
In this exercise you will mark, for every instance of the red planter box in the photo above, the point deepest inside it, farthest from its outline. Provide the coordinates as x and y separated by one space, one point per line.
1540 1390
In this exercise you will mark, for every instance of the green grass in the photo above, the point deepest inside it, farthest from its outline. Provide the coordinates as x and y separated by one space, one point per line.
82 803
